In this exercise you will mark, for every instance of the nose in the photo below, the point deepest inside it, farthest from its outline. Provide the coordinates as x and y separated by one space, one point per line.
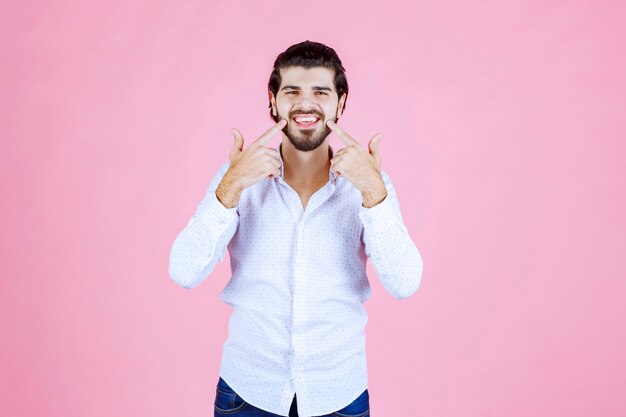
306 104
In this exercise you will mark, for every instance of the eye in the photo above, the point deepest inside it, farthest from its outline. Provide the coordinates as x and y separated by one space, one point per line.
324 93
291 92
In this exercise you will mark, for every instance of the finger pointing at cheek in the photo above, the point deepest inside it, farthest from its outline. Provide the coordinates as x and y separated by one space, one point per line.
341 134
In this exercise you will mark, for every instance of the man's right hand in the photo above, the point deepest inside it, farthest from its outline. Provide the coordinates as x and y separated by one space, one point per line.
247 167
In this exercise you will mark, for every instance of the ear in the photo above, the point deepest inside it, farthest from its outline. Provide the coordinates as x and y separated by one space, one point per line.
273 103
342 102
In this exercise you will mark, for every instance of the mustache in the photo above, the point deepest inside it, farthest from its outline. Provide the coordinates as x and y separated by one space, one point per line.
311 112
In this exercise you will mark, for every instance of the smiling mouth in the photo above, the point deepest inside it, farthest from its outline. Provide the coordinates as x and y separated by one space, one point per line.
305 121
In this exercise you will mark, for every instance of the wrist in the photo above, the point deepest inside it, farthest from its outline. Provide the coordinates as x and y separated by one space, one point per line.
374 197
228 193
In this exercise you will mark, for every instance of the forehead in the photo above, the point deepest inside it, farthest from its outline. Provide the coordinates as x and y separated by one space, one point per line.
301 76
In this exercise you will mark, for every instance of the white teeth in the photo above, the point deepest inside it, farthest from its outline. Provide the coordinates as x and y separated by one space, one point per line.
305 119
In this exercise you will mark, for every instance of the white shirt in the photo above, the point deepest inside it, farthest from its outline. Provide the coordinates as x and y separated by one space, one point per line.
298 285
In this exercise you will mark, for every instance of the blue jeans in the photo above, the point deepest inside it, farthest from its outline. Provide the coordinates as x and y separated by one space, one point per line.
229 403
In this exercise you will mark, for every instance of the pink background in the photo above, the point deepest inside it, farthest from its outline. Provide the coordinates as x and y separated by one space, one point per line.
504 134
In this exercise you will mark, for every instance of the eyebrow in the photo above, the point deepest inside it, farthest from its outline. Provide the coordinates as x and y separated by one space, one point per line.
316 88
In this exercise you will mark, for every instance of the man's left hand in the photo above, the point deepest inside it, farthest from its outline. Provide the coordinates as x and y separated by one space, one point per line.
360 167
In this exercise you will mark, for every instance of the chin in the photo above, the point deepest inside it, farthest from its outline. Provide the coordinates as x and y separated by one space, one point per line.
307 143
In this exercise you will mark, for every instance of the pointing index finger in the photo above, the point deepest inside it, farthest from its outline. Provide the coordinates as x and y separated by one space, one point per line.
341 133
269 133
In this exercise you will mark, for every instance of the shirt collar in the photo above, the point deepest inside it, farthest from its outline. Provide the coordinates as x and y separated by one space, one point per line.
331 175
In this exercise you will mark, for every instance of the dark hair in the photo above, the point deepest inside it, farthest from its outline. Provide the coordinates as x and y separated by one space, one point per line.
308 54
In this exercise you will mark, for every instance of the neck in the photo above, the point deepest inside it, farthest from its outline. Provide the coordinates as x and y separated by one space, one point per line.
305 168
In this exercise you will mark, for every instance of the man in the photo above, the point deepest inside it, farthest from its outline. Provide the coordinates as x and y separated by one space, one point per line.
300 222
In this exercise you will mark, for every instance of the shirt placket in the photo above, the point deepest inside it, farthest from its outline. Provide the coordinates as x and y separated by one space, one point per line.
298 349
298 312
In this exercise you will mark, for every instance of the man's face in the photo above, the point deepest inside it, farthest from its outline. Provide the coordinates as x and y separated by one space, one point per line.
307 99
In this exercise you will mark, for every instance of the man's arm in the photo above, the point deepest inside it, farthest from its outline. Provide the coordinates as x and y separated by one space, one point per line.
202 243
391 250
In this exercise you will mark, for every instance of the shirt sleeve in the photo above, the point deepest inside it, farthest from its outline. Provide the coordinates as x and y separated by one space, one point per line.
391 250
202 243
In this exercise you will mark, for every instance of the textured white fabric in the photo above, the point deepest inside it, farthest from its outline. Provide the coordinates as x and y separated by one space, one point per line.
298 285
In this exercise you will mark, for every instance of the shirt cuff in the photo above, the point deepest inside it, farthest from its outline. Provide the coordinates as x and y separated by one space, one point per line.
215 214
382 215
211 221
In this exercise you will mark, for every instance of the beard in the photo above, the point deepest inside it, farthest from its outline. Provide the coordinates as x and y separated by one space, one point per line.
307 139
